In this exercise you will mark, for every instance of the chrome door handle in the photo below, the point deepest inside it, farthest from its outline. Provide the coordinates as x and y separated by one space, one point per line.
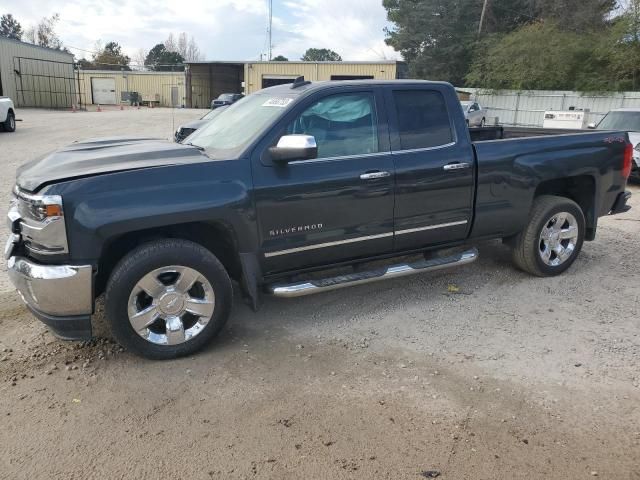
374 175
456 166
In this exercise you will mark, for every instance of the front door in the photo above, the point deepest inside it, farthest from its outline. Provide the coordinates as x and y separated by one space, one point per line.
434 169
338 206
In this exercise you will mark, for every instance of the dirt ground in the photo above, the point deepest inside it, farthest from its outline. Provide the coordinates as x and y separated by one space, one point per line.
505 376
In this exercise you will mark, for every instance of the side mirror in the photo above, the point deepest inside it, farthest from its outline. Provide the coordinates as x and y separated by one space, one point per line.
592 125
294 147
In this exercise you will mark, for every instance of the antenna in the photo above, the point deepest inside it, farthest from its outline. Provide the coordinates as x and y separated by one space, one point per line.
270 27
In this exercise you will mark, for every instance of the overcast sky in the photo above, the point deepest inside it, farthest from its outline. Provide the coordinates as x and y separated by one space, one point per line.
223 29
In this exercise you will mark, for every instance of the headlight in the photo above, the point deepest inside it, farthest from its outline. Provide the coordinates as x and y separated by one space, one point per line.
40 221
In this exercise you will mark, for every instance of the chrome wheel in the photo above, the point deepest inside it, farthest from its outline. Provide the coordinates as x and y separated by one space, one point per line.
171 305
12 123
558 239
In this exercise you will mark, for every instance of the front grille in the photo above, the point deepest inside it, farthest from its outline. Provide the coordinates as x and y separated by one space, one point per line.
184 133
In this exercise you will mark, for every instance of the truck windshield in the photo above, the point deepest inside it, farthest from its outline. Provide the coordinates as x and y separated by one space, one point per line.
230 132
627 121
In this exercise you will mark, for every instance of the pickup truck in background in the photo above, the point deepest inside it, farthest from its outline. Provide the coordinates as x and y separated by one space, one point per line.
7 115
293 190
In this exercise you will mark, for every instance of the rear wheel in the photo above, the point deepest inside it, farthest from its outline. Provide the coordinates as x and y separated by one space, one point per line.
552 240
167 299
9 124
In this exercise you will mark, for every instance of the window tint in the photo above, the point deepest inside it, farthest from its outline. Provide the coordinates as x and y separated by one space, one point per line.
341 124
423 120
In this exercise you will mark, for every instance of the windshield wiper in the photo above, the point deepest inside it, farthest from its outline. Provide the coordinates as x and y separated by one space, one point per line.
195 146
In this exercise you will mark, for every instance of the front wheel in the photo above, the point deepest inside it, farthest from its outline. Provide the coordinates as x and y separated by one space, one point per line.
552 240
482 122
167 299
10 123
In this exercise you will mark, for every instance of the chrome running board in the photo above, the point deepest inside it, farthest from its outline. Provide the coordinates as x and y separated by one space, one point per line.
290 290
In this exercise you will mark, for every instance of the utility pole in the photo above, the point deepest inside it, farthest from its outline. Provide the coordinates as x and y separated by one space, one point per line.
484 11
270 27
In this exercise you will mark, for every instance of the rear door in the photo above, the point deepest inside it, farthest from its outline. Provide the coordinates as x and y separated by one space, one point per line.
434 168
338 206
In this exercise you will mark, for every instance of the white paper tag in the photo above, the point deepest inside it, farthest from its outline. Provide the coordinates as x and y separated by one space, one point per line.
277 102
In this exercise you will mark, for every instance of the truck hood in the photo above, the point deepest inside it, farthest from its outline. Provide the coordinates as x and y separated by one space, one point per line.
105 155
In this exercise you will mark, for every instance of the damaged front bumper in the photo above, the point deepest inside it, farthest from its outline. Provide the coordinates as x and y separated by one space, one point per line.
61 296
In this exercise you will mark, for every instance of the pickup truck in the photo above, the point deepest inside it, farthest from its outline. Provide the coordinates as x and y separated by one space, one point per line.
295 189
7 115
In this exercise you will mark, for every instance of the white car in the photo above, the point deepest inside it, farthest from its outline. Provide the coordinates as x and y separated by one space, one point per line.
474 114
7 115
625 119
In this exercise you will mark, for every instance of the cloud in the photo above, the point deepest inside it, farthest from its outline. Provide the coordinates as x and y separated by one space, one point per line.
223 29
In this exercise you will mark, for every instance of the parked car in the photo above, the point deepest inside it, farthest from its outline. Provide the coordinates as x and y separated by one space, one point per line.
188 128
226 99
7 115
474 114
625 119
296 189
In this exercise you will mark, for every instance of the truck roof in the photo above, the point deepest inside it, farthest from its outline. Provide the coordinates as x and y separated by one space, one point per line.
320 85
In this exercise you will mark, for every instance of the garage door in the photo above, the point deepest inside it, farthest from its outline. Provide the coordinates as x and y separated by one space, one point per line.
103 91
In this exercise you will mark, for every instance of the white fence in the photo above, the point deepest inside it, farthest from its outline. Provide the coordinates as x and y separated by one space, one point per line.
526 108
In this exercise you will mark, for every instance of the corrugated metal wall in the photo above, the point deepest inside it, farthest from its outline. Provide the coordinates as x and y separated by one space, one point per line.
526 108
35 76
148 84
255 72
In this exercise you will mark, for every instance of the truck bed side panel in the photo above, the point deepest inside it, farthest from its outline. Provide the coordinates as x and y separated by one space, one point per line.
510 172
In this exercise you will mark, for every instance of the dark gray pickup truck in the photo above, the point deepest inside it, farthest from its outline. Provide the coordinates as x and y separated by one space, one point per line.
296 189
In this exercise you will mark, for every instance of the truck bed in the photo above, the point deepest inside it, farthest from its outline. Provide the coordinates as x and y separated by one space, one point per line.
480 134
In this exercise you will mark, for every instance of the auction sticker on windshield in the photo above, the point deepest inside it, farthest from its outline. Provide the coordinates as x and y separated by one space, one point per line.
277 102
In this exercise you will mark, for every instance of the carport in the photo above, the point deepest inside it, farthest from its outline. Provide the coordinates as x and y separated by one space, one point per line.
206 80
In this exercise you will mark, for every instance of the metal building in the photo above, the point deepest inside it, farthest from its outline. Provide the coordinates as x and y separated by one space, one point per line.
109 87
206 80
35 76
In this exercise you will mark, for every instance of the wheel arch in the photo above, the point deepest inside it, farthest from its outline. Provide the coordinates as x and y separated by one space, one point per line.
218 237
582 190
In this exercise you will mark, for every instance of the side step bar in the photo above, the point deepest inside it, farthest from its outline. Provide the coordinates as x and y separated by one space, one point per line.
290 290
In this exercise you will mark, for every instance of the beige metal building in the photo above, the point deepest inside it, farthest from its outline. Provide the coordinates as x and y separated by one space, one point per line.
109 87
34 76
206 80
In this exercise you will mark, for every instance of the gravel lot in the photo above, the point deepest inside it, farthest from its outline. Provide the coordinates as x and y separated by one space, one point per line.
504 376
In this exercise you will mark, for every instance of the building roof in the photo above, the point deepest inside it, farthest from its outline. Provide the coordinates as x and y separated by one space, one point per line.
32 45
245 62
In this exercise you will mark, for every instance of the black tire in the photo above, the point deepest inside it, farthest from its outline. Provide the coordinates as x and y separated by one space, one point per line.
482 122
9 124
527 244
147 258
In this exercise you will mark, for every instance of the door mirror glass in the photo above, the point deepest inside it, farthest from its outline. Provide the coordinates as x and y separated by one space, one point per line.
294 147
592 125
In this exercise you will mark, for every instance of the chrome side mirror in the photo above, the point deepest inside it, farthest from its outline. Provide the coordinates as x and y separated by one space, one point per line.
592 125
294 147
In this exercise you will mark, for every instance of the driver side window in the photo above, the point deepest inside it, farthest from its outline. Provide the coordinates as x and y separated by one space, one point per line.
342 125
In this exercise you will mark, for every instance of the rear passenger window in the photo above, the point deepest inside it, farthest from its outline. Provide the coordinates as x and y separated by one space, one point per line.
423 120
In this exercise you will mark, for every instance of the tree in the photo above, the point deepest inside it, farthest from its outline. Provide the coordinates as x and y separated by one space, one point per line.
280 58
160 59
110 58
10 27
187 48
320 55
440 40
139 58
540 56
44 33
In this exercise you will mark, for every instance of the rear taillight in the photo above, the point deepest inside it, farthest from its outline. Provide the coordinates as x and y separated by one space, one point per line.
628 158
